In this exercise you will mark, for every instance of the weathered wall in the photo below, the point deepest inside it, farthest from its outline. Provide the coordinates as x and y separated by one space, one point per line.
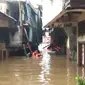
13 10
4 23
71 41
16 38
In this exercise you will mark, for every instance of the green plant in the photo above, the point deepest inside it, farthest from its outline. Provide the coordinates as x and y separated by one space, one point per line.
80 81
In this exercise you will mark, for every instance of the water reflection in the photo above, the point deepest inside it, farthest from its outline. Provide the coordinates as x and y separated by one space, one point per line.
68 72
68 76
73 71
81 72
48 70
45 66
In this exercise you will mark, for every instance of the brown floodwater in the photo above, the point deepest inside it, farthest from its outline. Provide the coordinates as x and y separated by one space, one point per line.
47 70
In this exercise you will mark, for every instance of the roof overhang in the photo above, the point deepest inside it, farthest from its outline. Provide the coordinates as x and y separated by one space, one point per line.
67 16
7 16
6 20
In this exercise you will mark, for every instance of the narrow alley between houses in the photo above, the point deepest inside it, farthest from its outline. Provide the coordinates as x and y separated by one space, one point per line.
42 42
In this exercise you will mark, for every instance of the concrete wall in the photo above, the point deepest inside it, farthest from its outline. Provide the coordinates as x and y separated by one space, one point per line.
16 38
71 43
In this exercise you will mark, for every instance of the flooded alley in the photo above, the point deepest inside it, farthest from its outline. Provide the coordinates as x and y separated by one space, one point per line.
47 70
34 28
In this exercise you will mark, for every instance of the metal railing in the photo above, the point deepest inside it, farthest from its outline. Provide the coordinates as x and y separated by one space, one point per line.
65 3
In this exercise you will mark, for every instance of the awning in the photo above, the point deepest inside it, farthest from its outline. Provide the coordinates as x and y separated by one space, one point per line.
6 20
67 16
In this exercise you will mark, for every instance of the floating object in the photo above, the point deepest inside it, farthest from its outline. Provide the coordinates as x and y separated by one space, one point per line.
36 54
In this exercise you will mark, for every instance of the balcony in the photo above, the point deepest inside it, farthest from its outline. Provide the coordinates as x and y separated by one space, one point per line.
73 4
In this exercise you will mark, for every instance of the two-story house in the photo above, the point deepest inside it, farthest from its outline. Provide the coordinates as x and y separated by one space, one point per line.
26 27
72 19
28 24
7 23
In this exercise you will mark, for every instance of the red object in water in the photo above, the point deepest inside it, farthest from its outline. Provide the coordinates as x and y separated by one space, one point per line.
36 54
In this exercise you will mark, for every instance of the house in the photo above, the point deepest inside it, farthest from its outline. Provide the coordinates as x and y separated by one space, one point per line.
72 4
24 20
39 23
7 23
29 24
72 20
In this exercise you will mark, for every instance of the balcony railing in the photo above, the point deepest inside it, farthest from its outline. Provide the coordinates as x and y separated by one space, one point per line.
73 4
65 3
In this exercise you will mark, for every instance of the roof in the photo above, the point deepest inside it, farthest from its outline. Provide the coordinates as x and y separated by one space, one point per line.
7 16
64 14
7 21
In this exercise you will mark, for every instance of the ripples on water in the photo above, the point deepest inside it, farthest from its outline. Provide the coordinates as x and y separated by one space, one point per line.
45 66
47 70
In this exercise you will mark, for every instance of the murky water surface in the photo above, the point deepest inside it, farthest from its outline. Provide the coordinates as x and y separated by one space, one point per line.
48 70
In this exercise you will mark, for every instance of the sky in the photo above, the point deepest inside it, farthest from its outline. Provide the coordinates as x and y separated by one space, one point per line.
49 10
